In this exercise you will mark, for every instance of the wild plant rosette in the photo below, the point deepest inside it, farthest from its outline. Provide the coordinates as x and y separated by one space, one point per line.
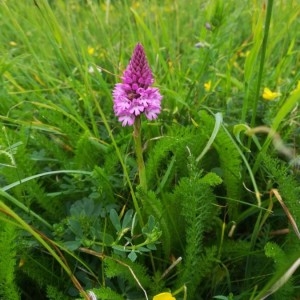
135 96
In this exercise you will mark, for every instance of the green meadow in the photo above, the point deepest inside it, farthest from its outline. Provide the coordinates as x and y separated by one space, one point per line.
202 202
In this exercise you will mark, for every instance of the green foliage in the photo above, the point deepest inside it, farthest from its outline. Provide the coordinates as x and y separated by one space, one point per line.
195 197
230 165
54 294
8 261
68 169
281 261
172 146
155 207
131 276
23 168
37 273
88 152
280 177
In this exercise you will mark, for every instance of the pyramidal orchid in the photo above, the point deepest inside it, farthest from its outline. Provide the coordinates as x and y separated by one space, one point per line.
135 96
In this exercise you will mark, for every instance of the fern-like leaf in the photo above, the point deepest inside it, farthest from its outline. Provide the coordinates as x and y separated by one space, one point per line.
230 164
106 293
8 287
54 294
128 270
197 207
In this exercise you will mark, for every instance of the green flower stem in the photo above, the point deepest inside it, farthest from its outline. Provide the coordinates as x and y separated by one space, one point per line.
137 136
139 153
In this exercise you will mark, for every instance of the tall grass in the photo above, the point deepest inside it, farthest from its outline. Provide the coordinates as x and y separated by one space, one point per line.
220 215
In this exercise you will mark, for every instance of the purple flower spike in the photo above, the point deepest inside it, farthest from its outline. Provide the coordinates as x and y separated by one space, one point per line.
134 95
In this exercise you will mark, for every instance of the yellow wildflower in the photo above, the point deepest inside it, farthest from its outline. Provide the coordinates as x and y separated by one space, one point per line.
164 296
13 43
207 86
90 50
269 95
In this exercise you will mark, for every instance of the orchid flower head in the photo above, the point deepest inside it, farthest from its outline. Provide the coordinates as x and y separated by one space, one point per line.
134 95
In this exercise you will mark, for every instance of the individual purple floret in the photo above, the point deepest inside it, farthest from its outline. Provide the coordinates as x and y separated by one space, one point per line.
134 95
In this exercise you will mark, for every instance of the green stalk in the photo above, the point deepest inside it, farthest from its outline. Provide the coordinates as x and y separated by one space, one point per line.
254 114
139 152
137 136
262 61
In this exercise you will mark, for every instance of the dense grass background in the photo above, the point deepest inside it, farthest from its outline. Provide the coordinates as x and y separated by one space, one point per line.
222 162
